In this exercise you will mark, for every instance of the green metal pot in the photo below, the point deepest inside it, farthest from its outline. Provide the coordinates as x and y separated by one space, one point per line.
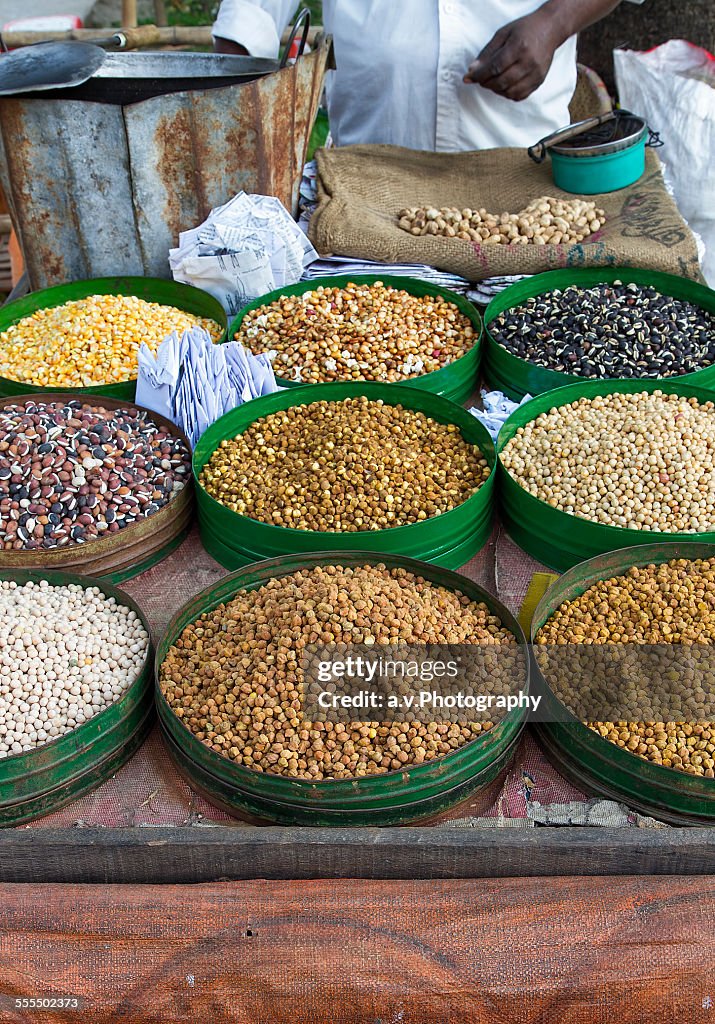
151 289
45 779
517 377
587 759
558 539
450 539
394 798
455 381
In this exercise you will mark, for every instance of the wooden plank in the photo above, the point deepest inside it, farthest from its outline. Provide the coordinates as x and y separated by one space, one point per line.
352 952
172 35
179 855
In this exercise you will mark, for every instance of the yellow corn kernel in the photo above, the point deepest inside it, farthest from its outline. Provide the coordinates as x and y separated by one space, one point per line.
90 341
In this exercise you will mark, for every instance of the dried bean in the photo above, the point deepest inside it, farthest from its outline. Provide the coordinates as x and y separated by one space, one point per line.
71 509
344 466
667 604
545 221
609 330
234 677
642 461
359 332
67 653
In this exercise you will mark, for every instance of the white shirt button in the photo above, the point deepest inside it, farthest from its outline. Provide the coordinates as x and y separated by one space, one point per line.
447 76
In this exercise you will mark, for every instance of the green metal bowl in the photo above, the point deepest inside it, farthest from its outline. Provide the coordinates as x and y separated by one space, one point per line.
394 798
517 377
455 381
450 539
558 539
587 759
151 289
43 780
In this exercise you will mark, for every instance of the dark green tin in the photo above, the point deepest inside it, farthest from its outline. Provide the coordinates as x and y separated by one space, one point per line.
518 377
450 539
581 755
555 538
455 381
395 798
151 289
45 779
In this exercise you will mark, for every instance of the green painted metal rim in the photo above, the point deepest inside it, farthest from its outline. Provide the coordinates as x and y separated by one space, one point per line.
517 377
455 381
374 793
151 289
38 772
244 804
555 538
472 519
654 789
449 558
47 803
43 780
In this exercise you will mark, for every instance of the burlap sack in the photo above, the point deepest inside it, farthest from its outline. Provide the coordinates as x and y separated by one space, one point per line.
361 189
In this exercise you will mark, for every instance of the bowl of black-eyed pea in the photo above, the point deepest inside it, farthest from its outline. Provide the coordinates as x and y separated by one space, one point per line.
568 326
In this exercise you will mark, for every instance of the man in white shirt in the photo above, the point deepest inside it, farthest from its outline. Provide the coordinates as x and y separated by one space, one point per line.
407 72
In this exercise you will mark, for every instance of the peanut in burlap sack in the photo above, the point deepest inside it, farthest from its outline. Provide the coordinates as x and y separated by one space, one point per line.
362 189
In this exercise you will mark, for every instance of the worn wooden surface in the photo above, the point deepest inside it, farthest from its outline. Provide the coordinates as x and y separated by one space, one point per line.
188 855
467 952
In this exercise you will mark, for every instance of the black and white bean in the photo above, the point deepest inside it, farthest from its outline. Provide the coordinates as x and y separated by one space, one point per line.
609 330
71 472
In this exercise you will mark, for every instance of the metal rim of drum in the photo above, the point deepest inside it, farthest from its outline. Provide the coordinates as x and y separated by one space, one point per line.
455 381
159 533
167 64
420 811
570 585
282 791
516 376
542 530
472 518
19 769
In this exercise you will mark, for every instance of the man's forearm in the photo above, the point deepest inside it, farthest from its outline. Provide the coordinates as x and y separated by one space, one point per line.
228 46
571 16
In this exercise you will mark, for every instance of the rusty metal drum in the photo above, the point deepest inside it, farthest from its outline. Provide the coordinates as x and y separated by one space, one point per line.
99 189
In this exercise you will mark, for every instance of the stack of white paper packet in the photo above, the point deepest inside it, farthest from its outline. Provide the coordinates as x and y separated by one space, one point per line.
192 382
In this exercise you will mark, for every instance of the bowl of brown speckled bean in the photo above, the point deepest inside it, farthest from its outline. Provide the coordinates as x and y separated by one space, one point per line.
98 485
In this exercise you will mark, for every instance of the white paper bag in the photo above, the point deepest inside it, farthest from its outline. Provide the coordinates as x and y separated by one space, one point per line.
249 246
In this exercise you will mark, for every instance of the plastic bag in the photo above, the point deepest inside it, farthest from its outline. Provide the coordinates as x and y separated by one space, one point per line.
673 88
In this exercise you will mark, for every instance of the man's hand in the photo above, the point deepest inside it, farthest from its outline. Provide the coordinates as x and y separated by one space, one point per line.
517 59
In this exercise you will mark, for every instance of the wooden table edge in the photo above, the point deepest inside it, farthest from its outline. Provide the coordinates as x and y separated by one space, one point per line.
190 854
